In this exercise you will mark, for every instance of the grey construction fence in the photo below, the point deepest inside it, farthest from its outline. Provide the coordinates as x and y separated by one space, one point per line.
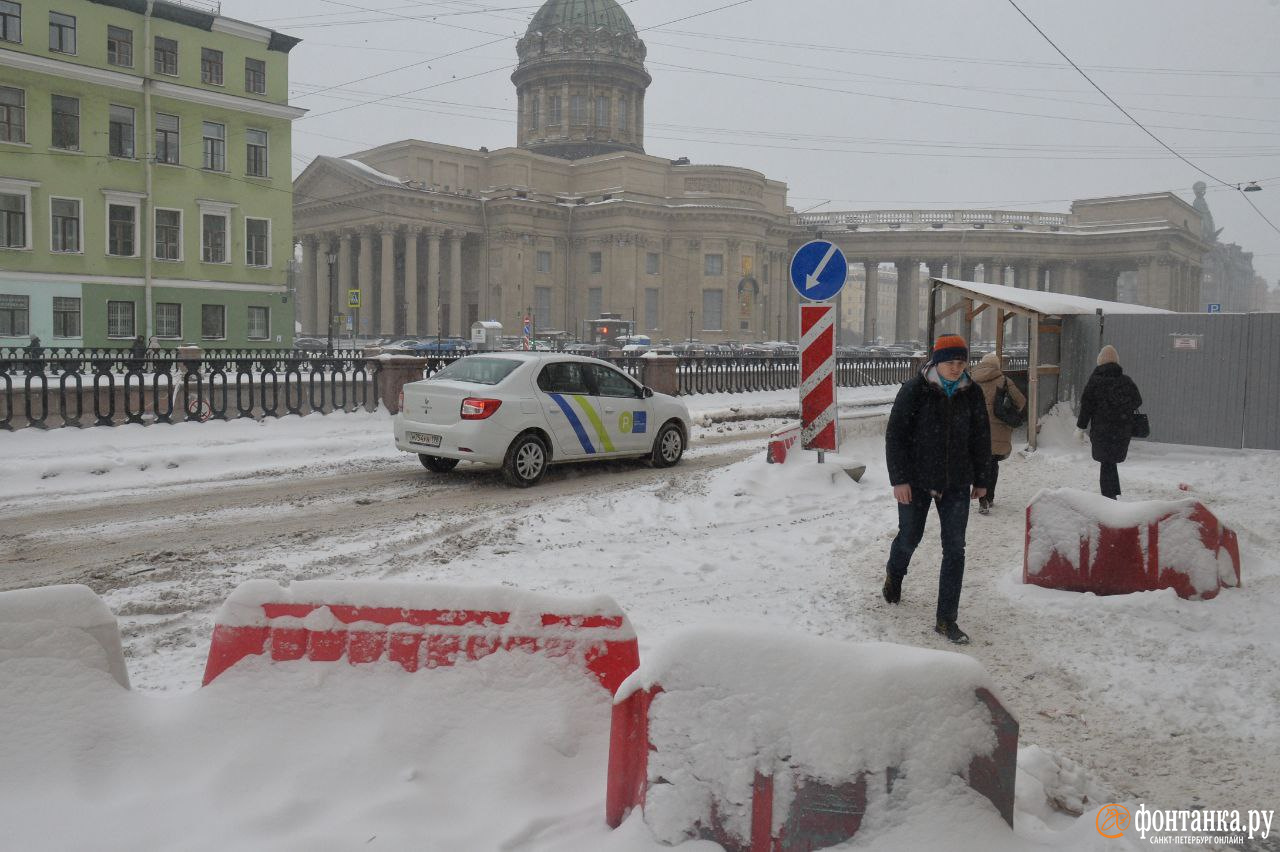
1210 380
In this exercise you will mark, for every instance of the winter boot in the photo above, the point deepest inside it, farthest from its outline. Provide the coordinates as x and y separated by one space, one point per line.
892 588
984 506
952 631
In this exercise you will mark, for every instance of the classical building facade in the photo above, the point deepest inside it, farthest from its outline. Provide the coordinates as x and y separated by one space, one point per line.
144 176
578 220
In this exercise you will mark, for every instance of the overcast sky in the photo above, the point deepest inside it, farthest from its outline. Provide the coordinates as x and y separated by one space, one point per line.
854 104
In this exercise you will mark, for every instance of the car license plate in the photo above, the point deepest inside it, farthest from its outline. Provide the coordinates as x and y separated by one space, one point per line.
423 439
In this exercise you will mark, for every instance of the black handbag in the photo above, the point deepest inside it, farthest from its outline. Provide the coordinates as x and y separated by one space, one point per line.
1139 425
1006 410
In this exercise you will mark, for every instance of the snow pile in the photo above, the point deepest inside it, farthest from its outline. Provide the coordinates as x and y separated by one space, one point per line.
61 623
734 703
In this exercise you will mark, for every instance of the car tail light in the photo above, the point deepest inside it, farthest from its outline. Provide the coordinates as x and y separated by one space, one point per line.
400 401
476 408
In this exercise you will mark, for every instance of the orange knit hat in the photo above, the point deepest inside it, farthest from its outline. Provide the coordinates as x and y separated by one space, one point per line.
949 347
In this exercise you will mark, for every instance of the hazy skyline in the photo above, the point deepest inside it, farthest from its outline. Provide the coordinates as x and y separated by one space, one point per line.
852 103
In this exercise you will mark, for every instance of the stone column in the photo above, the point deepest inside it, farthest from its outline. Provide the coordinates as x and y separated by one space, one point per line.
365 273
387 306
346 248
908 311
1195 298
433 282
870 301
324 287
411 280
455 283
304 293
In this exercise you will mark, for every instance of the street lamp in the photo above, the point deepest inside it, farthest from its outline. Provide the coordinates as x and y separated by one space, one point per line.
691 326
332 257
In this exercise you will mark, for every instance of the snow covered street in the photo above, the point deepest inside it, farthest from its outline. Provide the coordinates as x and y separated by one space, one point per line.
1135 698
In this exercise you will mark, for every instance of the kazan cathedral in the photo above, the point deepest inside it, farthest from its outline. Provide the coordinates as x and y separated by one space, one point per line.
575 221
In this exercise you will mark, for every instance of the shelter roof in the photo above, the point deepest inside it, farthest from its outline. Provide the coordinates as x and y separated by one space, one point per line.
1045 303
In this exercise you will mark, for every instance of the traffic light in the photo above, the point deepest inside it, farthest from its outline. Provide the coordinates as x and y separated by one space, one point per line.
604 329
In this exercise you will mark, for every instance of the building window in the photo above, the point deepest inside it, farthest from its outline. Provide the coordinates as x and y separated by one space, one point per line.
167 139
595 302
15 312
535 112
255 153
62 33
624 113
65 216
595 263
120 142
255 76
544 261
213 238
122 224
215 146
652 263
66 122
13 115
120 319
211 66
651 309
554 117
168 234
213 322
577 109
541 307
119 47
166 56
169 320
13 221
10 21
257 242
602 111
713 264
259 323
712 310
66 316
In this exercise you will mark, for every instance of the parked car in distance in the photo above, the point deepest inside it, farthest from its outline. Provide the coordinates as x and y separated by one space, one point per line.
591 350
635 349
310 344
445 345
527 410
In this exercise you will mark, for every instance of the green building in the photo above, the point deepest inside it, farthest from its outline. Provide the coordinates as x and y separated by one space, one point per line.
145 185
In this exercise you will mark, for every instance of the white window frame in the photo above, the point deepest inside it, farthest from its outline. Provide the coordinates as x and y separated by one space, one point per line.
595 263
79 223
247 220
706 265
75 33
17 186
266 152
182 236
133 132
205 152
17 40
79 318
177 336
53 128
263 90
122 199
222 67
539 256
128 64
248 331
25 124
177 56
215 208
656 257
224 320
155 131
134 332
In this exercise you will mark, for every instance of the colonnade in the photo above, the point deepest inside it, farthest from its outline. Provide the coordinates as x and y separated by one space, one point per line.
409 280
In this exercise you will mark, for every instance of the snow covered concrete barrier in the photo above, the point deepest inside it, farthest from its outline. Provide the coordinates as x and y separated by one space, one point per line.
61 622
781 443
782 742
418 626
1082 542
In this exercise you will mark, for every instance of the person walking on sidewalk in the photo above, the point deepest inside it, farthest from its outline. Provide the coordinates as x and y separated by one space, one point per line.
991 379
1106 408
937 445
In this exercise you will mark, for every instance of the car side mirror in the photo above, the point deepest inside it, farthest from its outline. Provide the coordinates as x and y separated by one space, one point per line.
647 392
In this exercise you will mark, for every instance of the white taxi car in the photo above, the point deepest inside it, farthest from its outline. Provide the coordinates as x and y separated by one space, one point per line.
526 410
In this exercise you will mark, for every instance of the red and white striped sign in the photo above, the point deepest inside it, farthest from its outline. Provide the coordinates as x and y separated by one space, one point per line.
818 377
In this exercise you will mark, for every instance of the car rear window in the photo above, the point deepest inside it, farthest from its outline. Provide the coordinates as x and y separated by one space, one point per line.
478 371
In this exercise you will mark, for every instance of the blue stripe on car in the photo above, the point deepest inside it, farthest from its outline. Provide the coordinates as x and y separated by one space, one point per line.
567 408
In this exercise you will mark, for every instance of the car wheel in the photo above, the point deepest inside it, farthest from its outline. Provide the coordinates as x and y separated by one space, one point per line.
436 464
668 447
526 461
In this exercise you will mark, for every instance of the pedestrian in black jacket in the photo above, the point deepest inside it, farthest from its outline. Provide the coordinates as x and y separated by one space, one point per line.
1106 409
937 445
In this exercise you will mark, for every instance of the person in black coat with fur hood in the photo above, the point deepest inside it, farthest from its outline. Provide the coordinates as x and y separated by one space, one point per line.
1106 409
938 446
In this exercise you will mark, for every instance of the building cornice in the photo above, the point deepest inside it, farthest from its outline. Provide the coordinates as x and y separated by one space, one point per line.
137 281
224 101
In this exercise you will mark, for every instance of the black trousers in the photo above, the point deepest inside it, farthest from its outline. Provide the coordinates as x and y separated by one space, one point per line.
993 474
1109 480
953 513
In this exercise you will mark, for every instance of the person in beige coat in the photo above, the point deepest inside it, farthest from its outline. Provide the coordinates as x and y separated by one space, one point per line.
989 378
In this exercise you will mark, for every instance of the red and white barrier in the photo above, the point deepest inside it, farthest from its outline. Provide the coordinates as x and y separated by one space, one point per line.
67 622
818 377
770 743
1083 542
782 442
418 626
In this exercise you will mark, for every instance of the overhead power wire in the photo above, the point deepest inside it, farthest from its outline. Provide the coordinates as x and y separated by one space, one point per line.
1137 123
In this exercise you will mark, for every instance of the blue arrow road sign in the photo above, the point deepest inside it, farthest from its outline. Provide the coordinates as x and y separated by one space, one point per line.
818 270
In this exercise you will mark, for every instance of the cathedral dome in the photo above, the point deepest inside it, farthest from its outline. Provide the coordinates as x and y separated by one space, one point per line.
580 81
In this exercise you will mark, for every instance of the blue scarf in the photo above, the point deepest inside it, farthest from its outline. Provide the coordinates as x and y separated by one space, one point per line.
949 388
